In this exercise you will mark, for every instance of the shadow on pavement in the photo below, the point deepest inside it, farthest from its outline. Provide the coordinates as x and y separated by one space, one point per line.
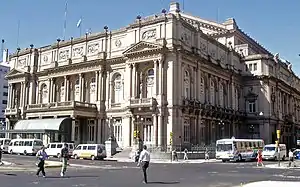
10 174
175 182
67 177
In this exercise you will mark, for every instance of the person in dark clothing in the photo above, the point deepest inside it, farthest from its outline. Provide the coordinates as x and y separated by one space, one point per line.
42 156
65 157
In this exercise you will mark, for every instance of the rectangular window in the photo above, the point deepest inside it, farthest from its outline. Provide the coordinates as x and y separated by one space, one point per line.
4 102
186 133
254 66
5 94
250 67
91 130
6 87
252 107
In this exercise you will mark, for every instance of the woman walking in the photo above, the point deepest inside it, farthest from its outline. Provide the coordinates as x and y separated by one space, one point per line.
259 159
42 156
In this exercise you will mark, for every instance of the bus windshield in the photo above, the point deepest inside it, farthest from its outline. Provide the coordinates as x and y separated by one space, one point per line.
224 147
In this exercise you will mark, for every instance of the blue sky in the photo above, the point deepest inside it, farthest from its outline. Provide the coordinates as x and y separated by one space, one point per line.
275 24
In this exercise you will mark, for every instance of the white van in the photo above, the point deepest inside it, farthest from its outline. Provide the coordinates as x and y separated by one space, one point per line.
4 142
90 151
54 149
25 146
270 152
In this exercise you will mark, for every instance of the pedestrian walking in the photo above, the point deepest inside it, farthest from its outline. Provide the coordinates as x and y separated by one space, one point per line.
64 158
291 158
185 152
259 159
42 156
206 156
174 155
144 161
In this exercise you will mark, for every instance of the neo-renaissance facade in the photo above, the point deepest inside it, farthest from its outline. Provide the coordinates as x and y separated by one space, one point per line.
174 78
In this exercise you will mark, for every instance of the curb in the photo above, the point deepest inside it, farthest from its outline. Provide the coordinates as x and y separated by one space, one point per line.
163 161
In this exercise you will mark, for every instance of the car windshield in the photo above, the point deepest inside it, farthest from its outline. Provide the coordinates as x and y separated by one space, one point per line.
224 147
269 148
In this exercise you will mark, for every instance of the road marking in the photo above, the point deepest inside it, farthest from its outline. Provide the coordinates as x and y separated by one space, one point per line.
232 171
287 176
213 172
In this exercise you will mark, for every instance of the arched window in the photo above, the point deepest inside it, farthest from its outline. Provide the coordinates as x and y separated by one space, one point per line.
221 95
45 93
93 90
187 84
212 92
150 83
77 90
118 89
202 90
62 91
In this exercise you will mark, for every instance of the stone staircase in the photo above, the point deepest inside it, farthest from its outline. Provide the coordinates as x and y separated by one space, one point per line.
124 153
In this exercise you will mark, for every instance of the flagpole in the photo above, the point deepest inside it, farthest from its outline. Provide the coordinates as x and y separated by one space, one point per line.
18 33
65 21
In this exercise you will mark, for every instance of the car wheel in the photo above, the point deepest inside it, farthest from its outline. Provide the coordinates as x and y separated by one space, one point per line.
93 157
76 157
223 160
11 151
25 153
283 158
275 158
58 155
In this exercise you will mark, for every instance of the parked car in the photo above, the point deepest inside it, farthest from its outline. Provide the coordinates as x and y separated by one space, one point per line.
297 154
54 149
90 151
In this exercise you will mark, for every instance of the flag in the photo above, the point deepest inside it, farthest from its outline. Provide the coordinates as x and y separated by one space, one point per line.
78 23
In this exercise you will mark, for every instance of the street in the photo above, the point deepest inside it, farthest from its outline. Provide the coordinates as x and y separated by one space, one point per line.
113 174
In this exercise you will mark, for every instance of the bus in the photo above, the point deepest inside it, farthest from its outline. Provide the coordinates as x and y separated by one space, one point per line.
238 149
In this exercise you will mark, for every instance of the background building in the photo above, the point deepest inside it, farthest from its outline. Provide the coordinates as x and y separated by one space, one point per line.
4 69
172 79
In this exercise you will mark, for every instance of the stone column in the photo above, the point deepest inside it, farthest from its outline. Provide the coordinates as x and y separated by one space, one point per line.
126 133
22 94
155 78
9 98
100 85
73 130
97 86
7 135
50 91
134 81
26 88
159 130
161 75
155 130
54 91
82 89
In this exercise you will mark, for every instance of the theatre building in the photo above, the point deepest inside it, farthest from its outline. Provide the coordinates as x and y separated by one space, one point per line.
172 78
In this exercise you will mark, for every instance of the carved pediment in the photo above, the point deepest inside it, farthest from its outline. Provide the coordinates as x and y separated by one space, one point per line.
14 72
141 47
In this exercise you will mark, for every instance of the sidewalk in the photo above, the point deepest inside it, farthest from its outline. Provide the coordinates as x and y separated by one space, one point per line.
271 183
162 161
284 165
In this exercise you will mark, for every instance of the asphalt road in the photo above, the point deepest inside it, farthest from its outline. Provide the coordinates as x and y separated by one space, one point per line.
113 174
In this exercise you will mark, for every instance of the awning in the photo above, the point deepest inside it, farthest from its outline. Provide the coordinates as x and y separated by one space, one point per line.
37 125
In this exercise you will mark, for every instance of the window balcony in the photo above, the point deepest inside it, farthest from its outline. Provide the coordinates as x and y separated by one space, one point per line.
67 105
11 112
143 102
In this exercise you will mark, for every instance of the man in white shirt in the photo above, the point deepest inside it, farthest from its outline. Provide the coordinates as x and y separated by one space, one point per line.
144 161
291 158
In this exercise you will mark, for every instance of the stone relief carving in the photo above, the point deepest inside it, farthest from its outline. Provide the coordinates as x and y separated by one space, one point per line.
118 43
212 53
93 48
22 62
45 59
203 47
78 51
186 38
63 55
150 34
222 57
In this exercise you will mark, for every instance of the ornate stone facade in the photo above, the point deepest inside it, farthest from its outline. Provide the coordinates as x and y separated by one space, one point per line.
171 77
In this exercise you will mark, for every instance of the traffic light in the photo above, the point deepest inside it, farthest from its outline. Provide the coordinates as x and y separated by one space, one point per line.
134 134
